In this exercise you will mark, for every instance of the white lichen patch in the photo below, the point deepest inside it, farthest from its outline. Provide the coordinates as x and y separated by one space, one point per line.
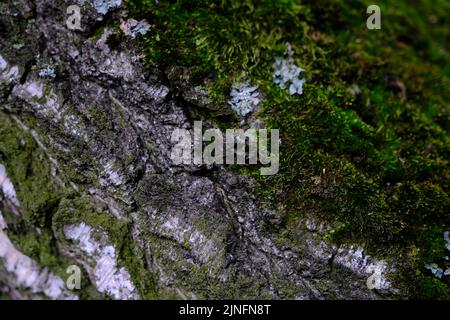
103 6
115 64
132 28
374 271
7 188
202 247
3 225
49 104
447 239
110 176
46 104
108 277
118 66
8 73
3 63
26 273
437 271
47 72
34 89
357 261
244 98
287 73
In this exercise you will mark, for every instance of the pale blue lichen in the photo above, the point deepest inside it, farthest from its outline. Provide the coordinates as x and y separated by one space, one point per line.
287 73
244 98
435 270
447 239
103 6
108 276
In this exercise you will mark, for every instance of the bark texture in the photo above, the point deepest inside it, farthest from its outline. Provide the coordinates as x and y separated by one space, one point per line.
87 180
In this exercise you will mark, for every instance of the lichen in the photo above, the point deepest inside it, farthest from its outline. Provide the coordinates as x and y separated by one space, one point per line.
370 161
133 28
47 71
103 6
244 98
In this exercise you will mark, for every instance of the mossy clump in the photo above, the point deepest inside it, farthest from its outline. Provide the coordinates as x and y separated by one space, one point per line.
366 146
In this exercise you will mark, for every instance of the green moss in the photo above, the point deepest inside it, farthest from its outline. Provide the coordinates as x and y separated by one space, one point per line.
29 169
373 163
